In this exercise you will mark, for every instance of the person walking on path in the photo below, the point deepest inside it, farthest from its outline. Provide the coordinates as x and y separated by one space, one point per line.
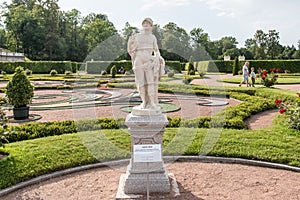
253 76
245 74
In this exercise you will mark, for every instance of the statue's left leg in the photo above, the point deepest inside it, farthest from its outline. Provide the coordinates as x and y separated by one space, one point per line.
151 93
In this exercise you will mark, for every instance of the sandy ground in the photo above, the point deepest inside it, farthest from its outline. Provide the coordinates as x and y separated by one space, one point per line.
197 181
261 120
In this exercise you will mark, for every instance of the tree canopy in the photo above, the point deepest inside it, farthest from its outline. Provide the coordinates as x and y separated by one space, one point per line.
42 31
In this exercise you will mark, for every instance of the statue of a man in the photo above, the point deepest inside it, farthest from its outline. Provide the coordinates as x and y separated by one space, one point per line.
148 65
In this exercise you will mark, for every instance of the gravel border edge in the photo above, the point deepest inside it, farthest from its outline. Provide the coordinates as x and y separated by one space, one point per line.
167 159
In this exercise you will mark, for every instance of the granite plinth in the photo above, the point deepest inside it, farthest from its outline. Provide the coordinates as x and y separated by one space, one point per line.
146 129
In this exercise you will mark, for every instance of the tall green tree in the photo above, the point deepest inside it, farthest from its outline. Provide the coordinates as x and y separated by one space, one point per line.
72 32
97 28
273 47
201 44
51 15
2 38
176 41
226 46
296 55
265 45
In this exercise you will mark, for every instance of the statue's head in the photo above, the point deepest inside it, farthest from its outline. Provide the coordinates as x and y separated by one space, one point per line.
147 24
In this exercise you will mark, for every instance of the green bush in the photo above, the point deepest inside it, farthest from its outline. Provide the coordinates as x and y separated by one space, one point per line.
128 73
189 67
113 71
192 73
2 100
53 72
187 79
28 72
68 73
202 74
19 91
235 67
171 74
103 72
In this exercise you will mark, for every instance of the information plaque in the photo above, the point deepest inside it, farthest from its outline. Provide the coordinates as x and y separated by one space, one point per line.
147 153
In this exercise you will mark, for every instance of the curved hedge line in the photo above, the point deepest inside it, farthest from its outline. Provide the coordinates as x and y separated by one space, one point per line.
231 118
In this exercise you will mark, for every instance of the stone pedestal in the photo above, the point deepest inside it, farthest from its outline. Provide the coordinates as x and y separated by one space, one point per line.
146 129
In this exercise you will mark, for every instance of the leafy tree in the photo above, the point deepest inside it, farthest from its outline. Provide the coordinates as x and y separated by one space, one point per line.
260 39
288 52
245 52
264 45
72 31
201 44
273 47
2 38
97 29
296 55
226 45
176 40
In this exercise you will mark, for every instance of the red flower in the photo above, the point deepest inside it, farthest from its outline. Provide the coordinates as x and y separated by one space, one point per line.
282 110
265 72
277 102
276 76
263 77
298 94
272 69
277 70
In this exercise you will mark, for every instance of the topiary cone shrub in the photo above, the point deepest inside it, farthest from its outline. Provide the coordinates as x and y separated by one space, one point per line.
235 67
19 91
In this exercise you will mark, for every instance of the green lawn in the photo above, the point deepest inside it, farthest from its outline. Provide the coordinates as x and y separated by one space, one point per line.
32 158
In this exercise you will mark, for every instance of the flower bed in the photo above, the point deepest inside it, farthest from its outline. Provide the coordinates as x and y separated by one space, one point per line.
292 111
268 78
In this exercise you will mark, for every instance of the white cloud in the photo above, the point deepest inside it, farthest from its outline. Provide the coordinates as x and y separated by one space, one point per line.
229 8
163 3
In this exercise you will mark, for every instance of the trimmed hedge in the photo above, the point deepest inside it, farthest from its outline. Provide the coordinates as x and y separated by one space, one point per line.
217 66
175 65
227 66
292 65
37 130
95 67
40 67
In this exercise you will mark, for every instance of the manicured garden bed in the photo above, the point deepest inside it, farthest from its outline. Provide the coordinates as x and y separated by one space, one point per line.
47 147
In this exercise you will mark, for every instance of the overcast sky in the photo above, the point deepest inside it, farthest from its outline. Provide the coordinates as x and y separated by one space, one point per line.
238 18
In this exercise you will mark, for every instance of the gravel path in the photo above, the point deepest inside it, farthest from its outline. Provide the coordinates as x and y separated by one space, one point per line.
196 181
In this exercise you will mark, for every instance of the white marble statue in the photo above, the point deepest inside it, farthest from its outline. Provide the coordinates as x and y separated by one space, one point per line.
148 65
